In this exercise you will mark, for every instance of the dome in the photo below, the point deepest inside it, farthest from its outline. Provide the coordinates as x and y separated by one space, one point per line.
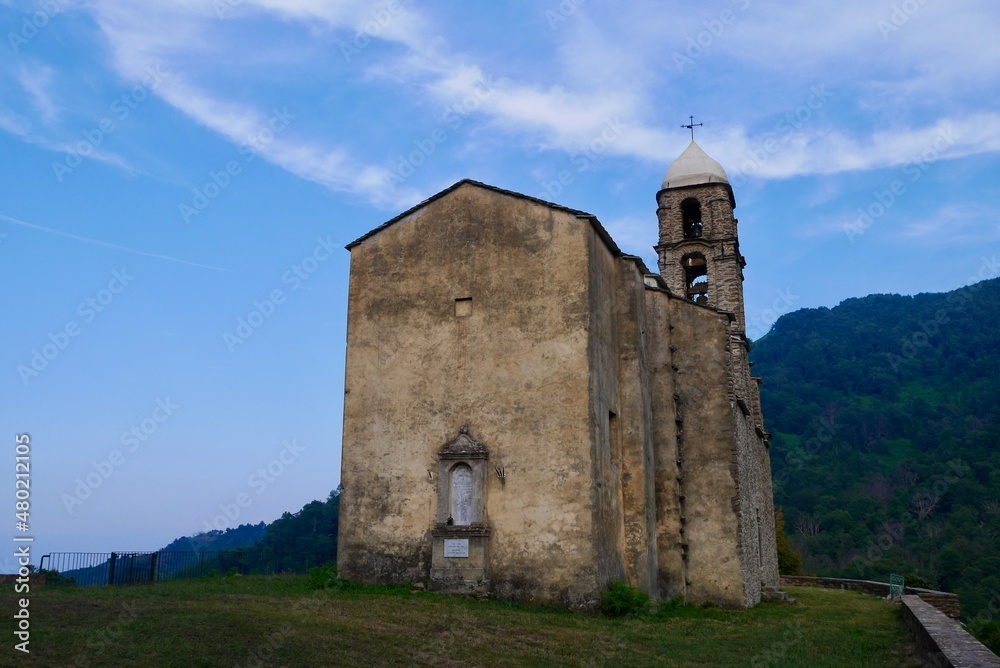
692 168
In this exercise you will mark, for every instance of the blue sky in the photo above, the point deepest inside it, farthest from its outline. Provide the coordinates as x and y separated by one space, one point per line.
179 178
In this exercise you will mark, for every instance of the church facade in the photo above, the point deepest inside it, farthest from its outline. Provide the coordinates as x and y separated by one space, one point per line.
531 413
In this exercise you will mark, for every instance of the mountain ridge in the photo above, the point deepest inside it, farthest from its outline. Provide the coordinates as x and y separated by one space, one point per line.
886 429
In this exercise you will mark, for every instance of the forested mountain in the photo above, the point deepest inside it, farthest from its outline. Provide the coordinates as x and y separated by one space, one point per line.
293 542
312 530
245 535
885 414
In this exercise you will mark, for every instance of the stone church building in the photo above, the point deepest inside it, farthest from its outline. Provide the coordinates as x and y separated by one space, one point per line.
532 413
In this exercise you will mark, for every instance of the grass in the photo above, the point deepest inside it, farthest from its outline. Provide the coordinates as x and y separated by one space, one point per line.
278 621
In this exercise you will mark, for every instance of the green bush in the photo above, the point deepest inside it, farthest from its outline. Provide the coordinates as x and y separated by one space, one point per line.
323 577
56 578
913 580
671 605
987 633
620 600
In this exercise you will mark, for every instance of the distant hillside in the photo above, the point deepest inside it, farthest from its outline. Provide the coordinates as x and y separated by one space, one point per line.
245 535
886 446
135 567
305 538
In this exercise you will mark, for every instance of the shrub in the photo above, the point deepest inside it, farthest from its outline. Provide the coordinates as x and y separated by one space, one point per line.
670 605
987 633
914 580
323 577
620 600
56 578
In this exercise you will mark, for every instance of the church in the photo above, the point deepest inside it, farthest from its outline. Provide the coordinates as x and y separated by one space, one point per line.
531 413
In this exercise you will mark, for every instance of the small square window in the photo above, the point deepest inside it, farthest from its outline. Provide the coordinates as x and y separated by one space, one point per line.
463 307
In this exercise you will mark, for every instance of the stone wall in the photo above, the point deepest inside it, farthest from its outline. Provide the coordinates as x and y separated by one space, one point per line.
946 602
941 641
718 244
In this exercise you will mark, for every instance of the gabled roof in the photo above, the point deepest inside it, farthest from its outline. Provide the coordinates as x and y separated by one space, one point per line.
591 218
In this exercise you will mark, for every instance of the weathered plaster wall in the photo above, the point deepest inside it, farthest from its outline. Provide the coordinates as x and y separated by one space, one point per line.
636 427
606 439
670 564
708 454
515 370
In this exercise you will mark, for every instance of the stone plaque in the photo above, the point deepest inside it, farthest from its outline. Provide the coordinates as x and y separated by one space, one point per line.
456 547
461 495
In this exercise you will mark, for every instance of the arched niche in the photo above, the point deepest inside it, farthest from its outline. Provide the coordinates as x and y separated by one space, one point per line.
462 481
691 218
695 277
460 537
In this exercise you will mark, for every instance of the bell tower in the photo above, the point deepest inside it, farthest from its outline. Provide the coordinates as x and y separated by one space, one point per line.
699 250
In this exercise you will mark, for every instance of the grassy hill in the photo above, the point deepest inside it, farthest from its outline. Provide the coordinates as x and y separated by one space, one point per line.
280 621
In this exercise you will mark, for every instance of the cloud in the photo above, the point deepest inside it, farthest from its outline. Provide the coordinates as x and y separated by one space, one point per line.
785 153
954 225
27 132
105 244
604 60
139 43
15 124
636 236
36 79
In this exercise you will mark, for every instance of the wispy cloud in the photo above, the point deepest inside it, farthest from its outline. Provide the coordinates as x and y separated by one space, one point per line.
105 244
954 224
602 80
36 79
311 158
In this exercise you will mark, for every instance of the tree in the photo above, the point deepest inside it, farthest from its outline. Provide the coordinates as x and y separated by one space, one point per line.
310 533
924 502
949 568
789 561
808 525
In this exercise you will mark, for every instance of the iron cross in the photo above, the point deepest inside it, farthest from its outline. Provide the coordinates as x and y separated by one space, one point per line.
692 125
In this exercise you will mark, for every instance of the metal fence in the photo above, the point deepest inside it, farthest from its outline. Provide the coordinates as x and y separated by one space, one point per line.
127 568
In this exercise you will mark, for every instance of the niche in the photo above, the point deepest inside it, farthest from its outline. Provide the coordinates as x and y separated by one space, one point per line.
691 218
460 537
695 277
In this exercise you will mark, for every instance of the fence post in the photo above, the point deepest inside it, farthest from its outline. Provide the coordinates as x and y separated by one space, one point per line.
111 569
152 568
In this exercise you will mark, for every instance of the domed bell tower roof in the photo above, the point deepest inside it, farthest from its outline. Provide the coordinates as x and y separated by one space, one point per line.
694 167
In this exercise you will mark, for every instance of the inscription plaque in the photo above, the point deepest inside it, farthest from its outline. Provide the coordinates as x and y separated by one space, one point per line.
461 495
456 547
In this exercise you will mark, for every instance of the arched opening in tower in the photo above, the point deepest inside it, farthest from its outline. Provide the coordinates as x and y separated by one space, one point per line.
695 277
691 218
